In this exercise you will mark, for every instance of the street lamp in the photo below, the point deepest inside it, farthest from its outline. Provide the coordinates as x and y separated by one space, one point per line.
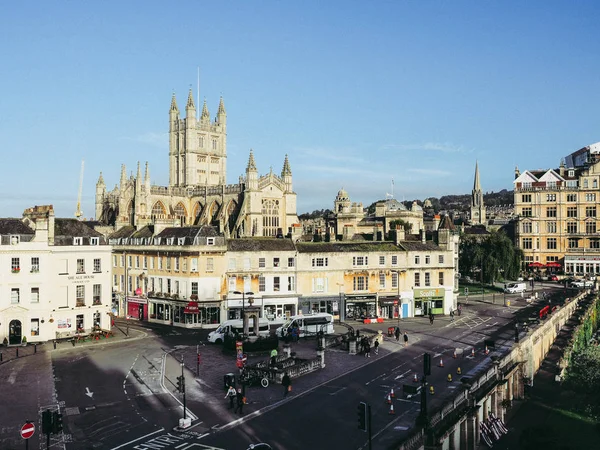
341 308
398 272
243 294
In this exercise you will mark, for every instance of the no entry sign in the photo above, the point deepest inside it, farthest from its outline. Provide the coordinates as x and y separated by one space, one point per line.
27 430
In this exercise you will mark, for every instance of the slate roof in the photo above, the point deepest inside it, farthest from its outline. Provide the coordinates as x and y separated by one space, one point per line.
188 232
66 229
145 232
346 247
418 246
123 232
446 224
14 226
260 244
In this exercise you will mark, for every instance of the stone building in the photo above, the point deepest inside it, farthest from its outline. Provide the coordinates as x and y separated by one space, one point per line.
197 193
558 213
54 279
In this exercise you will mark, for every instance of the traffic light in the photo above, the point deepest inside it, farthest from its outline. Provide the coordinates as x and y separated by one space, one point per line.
57 422
362 416
180 384
47 422
426 364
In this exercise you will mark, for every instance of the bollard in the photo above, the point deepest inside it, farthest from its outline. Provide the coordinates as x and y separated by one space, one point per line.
73 342
17 352
0 356
34 348
54 345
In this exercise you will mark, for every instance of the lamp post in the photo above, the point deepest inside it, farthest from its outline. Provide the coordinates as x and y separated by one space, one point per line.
341 308
243 294
398 273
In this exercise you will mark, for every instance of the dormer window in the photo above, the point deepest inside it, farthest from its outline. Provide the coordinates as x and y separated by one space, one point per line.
156 241
571 173
180 241
170 241
78 241
94 241
210 241
15 239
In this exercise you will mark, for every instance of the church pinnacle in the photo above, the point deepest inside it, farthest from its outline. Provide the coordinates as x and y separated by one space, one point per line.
205 114
221 106
190 100
251 163
174 103
286 167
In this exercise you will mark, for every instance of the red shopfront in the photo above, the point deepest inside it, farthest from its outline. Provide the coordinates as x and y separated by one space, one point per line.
137 308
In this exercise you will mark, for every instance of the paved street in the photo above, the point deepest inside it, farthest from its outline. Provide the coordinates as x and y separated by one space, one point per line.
120 392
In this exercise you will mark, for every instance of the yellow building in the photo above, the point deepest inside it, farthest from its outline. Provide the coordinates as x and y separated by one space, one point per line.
172 277
558 214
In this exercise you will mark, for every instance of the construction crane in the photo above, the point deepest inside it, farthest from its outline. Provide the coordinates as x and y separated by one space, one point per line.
79 212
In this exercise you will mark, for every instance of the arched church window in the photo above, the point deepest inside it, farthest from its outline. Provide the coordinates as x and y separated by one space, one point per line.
270 213
158 209
180 212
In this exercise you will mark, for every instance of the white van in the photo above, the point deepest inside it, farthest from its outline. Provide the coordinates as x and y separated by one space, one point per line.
307 324
515 288
231 327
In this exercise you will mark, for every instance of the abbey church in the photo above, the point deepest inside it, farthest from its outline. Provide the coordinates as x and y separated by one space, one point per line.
198 193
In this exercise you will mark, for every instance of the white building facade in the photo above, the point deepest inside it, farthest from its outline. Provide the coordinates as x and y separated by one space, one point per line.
55 278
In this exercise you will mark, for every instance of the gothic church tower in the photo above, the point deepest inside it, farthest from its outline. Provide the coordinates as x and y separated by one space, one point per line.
477 206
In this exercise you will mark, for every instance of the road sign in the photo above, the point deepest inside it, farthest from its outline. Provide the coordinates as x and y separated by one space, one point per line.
27 430
466 291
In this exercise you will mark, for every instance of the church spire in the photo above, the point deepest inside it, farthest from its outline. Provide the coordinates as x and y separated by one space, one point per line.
147 174
190 100
205 115
286 167
221 107
174 103
100 180
251 163
476 184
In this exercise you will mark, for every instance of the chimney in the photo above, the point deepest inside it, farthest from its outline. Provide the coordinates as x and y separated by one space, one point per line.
400 234
41 219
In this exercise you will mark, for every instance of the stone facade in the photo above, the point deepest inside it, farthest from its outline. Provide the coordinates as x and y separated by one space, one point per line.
197 193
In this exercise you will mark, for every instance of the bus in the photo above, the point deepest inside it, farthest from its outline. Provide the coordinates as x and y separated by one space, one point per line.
308 325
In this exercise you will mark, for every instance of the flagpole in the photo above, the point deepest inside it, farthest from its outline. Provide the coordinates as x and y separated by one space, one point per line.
198 94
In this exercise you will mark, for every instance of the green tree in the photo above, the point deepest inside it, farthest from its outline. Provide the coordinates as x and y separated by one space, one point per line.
491 258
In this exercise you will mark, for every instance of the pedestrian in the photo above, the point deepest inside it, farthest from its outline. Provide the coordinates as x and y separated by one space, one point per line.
286 381
397 333
376 345
231 393
405 339
431 318
273 357
367 349
239 403
294 334
459 308
288 336
451 315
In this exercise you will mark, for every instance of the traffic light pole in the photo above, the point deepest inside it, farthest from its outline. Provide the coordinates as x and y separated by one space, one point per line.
183 388
369 426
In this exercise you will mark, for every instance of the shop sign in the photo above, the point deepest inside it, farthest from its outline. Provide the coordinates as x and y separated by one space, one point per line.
335 307
428 293
192 308
63 323
240 357
137 300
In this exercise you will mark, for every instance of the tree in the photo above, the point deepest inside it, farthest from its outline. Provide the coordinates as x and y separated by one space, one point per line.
490 259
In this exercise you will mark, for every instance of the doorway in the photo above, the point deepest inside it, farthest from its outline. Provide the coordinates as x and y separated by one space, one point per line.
14 332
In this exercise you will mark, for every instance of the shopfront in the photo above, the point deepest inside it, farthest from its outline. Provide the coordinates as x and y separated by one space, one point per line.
312 305
360 306
185 313
279 309
388 307
429 301
137 308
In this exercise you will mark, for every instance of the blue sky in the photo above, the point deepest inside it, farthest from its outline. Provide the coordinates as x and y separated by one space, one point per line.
355 92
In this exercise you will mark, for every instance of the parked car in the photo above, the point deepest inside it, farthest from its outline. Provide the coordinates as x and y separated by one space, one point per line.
580 284
553 278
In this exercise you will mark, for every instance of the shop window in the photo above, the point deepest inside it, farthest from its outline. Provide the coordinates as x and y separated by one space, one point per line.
79 322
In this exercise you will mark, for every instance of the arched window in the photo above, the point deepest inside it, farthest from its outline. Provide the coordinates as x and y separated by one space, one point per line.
180 213
270 213
159 209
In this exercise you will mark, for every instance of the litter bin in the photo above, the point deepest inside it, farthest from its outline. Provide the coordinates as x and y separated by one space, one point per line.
391 331
228 380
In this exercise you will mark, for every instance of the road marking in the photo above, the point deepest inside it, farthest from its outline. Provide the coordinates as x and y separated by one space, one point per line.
138 439
402 375
337 392
88 393
377 377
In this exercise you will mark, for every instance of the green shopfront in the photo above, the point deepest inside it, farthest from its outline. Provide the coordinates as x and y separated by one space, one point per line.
429 300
